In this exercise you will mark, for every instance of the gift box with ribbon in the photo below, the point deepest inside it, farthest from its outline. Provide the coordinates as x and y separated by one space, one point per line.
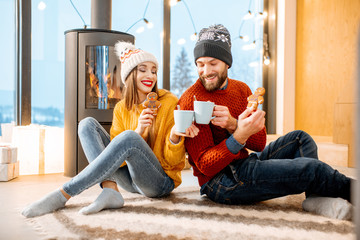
40 149
8 153
9 171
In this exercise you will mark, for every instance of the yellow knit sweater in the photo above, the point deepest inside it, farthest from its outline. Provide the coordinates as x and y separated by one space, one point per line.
171 156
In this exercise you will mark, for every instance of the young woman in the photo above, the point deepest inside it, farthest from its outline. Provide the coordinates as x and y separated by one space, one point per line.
143 153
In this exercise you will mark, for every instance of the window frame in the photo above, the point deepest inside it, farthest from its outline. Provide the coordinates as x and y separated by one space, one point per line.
23 60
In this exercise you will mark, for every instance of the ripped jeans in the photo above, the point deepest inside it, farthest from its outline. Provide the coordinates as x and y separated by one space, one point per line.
142 174
289 165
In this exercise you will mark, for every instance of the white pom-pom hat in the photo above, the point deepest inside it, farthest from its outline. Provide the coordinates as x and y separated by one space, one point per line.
130 57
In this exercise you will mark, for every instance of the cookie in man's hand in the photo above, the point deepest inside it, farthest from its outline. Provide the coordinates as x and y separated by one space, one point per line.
257 98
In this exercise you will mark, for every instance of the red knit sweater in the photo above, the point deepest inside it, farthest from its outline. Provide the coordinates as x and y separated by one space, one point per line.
208 153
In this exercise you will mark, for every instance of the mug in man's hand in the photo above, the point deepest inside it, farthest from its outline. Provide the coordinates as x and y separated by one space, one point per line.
203 111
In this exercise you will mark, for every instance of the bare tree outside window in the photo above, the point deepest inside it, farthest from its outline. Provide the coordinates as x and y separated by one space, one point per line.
181 74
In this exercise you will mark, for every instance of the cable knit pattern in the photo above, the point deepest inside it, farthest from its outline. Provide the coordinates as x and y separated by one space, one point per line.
208 153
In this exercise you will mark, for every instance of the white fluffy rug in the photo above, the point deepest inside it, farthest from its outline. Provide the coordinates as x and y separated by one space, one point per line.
187 215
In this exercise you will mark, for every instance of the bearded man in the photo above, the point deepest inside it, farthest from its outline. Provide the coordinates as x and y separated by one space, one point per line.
227 171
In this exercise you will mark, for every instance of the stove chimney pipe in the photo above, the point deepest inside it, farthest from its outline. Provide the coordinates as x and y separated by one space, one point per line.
101 14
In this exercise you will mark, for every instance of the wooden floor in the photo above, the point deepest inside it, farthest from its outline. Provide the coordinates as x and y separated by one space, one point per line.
19 192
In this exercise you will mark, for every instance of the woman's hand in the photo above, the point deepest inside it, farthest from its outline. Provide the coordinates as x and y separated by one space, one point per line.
145 120
175 136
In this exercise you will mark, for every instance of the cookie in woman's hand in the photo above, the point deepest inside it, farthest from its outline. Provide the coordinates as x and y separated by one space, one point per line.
152 102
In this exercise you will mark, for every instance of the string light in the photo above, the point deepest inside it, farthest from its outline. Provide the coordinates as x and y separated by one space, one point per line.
173 3
266 58
261 15
193 37
85 26
249 15
149 24
140 30
41 6
249 46
245 38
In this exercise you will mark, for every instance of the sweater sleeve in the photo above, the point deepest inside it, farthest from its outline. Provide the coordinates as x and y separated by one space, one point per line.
174 153
257 141
208 157
117 125
208 150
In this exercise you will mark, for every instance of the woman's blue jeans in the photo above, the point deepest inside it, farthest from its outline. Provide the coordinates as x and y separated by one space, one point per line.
143 172
288 165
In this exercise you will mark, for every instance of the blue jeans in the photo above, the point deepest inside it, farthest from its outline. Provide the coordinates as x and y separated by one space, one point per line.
288 165
142 174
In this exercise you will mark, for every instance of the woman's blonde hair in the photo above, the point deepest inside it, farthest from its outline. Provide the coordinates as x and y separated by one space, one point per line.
132 99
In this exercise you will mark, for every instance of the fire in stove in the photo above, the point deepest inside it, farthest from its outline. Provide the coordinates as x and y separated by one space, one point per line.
103 85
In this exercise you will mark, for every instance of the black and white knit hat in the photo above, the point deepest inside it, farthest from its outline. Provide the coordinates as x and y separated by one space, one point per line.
130 57
215 42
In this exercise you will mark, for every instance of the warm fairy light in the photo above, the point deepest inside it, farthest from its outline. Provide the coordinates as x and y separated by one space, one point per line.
140 29
249 46
261 15
181 41
41 6
193 37
150 25
266 58
266 61
245 38
173 2
249 15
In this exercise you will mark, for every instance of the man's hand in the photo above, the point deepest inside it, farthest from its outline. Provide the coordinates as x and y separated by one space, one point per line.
223 118
249 123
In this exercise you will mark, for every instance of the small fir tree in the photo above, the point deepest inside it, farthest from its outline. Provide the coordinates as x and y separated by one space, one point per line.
181 77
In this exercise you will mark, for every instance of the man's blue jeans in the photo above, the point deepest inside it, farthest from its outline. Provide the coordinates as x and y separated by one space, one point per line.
143 172
288 165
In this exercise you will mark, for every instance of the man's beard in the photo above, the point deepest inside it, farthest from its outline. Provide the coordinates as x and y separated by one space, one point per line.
214 85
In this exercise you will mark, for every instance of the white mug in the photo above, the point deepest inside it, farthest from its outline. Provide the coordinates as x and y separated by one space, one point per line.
203 111
183 119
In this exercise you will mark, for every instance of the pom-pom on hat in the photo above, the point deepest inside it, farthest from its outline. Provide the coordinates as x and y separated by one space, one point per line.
215 42
130 57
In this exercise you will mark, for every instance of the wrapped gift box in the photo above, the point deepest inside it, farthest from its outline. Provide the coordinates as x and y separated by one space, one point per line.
9 171
40 149
6 132
8 153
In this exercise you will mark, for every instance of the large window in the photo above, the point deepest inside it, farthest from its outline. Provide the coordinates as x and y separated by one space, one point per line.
144 20
50 19
7 62
189 17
